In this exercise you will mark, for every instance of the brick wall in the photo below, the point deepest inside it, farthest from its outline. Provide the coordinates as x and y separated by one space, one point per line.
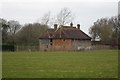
57 45
64 45
62 42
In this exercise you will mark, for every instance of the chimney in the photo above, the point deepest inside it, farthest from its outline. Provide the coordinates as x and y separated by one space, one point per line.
55 26
78 26
71 24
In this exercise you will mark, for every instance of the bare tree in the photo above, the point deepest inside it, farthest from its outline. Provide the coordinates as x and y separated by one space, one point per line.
46 19
105 29
30 33
4 29
64 17
9 29
14 26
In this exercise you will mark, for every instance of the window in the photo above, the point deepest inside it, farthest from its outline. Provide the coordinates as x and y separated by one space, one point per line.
46 46
51 41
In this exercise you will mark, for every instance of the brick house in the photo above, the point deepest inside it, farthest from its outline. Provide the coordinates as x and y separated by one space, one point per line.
65 38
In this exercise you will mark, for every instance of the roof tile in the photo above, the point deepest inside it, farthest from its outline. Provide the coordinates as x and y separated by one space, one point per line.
66 32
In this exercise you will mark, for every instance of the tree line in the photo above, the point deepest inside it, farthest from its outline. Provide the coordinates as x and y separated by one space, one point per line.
13 32
106 29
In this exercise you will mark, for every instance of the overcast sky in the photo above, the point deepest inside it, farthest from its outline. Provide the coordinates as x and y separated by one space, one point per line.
86 12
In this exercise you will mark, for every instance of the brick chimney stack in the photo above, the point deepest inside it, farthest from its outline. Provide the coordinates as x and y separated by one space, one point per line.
55 26
78 26
71 24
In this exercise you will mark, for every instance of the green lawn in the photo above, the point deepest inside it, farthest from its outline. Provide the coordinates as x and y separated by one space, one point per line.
86 64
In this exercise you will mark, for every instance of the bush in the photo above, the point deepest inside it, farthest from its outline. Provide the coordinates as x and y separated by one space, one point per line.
8 47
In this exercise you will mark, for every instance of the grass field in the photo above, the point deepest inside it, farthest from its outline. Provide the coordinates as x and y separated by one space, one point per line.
86 64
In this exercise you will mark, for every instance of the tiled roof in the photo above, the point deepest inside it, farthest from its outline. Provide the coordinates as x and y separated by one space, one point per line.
66 32
71 33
